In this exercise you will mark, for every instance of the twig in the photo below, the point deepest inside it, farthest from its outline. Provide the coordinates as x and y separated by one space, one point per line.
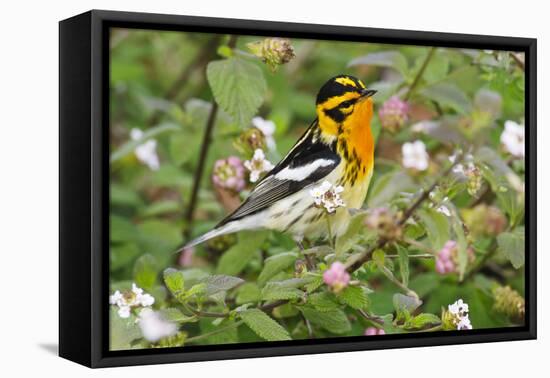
202 159
352 266
518 61
398 283
420 73
419 245
374 319
419 256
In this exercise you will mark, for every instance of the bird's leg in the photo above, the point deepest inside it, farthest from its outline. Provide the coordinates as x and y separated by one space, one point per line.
309 260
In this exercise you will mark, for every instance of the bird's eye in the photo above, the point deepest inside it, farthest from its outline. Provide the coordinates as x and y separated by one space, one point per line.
346 106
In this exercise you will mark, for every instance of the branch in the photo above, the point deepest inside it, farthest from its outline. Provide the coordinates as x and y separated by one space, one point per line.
518 61
199 173
420 73
352 266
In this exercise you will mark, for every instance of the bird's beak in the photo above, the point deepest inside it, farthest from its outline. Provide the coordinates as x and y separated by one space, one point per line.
366 93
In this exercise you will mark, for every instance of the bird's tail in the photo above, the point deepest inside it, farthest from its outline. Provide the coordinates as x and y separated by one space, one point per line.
222 230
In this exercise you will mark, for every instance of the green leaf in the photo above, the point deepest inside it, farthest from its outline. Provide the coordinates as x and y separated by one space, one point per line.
122 229
422 320
387 186
122 331
407 303
264 326
221 333
437 226
391 59
131 145
247 293
274 291
218 283
161 208
174 315
323 301
235 259
334 321
447 94
315 283
145 272
174 281
238 86
160 237
512 245
403 264
276 264
355 297
346 241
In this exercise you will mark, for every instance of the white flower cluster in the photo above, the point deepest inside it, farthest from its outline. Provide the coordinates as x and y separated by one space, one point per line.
328 196
154 326
459 310
415 155
134 298
513 138
147 151
257 165
267 128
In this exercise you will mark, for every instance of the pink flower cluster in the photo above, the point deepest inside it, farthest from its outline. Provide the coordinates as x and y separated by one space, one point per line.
229 174
373 331
336 276
394 113
444 262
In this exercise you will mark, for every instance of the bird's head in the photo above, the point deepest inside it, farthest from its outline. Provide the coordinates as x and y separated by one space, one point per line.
344 103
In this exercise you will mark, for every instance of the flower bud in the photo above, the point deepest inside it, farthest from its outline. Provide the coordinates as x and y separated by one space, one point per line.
385 222
229 174
393 114
250 140
273 51
484 220
373 331
336 277
509 302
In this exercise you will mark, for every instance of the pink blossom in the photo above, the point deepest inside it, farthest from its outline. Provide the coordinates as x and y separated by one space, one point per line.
393 114
444 260
373 331
336 276
229 174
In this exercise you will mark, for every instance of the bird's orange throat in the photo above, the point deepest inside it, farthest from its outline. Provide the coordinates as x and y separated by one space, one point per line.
356 143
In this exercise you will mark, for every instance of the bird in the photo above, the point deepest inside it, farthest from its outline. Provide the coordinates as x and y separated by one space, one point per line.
338 148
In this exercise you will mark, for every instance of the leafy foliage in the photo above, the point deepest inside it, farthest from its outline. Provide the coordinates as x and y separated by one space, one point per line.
465 239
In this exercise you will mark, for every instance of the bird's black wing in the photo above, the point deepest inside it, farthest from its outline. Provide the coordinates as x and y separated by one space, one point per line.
307 162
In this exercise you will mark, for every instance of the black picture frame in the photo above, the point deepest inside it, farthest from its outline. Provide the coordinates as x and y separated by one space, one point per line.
84 187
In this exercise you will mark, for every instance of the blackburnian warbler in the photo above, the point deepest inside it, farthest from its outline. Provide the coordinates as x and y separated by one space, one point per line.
337 148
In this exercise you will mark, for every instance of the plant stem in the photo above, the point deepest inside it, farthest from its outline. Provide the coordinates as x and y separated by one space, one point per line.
420 256
419 245
374 319
214 332
420 73
331 241
398 283
356 263
518 61
199 173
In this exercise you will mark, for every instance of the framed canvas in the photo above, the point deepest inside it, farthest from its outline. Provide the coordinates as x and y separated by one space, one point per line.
236 188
